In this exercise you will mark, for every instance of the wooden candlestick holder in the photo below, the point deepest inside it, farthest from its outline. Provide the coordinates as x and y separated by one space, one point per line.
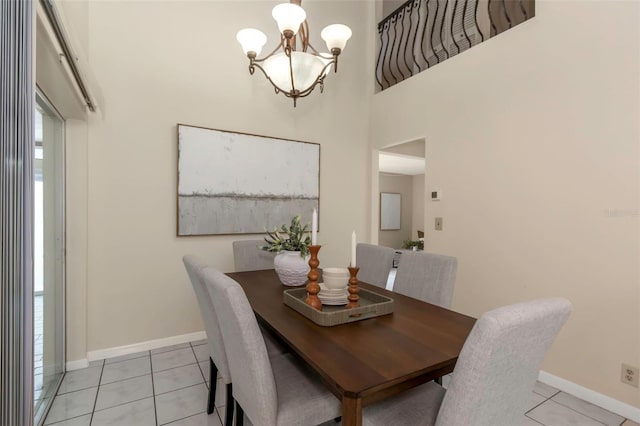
353 288
313 288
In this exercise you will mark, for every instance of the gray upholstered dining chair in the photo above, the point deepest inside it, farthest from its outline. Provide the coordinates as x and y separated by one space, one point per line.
271 391
248 257
494 376
374 262
217 355
426 276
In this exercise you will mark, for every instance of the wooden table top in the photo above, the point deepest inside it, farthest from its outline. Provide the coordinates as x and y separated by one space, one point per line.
369 359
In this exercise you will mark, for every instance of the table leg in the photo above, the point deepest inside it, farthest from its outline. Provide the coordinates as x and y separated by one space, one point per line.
351 411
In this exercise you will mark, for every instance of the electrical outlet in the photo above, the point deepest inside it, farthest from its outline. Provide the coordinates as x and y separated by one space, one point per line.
438 224
629 375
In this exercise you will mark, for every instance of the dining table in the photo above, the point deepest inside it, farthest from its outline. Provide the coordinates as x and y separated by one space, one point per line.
369 360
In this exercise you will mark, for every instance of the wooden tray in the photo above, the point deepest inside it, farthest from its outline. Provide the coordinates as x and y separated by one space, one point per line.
371 305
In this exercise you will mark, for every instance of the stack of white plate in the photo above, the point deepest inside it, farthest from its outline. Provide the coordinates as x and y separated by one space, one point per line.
335 297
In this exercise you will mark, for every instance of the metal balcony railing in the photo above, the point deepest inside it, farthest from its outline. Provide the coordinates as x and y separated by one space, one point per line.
422 33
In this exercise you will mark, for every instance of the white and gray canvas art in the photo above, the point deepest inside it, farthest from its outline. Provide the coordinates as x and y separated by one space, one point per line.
233 183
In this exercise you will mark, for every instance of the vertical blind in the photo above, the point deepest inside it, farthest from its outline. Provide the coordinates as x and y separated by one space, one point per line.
17 101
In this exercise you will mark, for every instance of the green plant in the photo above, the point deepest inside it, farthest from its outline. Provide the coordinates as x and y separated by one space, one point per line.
289 238
410 244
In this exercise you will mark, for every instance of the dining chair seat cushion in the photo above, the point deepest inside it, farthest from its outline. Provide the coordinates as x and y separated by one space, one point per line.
302 398
426 276
417 406
375 263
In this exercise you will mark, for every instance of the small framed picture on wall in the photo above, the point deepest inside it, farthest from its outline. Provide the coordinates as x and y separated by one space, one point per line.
390 205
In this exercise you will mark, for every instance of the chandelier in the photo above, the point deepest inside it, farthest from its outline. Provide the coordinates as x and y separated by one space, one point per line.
294 67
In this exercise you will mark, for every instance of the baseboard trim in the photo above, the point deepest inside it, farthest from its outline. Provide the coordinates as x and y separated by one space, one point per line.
144 346
77 364
606 402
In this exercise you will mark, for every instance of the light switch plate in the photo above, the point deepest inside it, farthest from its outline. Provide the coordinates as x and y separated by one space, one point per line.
438 224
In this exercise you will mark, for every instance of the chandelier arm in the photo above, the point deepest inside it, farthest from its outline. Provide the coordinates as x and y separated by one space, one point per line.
328 64
304 35
313 49
278 47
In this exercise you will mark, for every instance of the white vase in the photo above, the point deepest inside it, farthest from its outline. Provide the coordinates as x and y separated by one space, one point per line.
292 269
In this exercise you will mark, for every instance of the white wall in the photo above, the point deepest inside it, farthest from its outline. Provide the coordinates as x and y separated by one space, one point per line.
533 138
163 63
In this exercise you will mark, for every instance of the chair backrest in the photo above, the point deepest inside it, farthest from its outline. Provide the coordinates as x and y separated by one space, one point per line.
374 262
194 267
248 257
499 363
254 386
426 276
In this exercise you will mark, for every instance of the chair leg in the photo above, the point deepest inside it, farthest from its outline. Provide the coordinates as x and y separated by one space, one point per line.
228 418
239 415
213 381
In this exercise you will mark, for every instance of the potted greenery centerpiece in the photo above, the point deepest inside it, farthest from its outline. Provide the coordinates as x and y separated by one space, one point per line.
414 245
292 244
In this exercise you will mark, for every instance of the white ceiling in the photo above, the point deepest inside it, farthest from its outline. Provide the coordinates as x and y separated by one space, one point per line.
389 162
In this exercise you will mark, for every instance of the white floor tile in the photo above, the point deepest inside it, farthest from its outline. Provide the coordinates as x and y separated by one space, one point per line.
177 378
204 367
80 379
553 414
545 390
202 352
173 359
76 421
126 357
170 348
202 419
529 422
72 404
630 423
138 413
588 409
535 400
125 370
181 403
124 391
221 392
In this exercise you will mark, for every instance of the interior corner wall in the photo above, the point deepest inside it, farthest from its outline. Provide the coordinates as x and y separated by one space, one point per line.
162 63
532 136
402 185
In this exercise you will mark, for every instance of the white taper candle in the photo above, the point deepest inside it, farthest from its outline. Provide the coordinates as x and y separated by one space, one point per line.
353 249
314 228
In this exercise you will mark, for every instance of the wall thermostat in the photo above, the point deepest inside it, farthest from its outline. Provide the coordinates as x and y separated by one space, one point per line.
435 195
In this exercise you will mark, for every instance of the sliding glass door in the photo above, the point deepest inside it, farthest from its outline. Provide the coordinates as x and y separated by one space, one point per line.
49 256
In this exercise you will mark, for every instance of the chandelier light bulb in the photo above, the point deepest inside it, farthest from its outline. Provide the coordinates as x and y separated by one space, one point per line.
289 17
251 40
336 36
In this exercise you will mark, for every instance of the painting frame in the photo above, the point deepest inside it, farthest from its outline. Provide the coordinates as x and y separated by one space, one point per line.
236 183
390 211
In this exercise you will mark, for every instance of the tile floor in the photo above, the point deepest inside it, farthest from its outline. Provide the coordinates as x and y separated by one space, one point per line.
37 346
169 386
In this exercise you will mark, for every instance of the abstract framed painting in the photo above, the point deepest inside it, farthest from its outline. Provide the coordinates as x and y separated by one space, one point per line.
237 183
